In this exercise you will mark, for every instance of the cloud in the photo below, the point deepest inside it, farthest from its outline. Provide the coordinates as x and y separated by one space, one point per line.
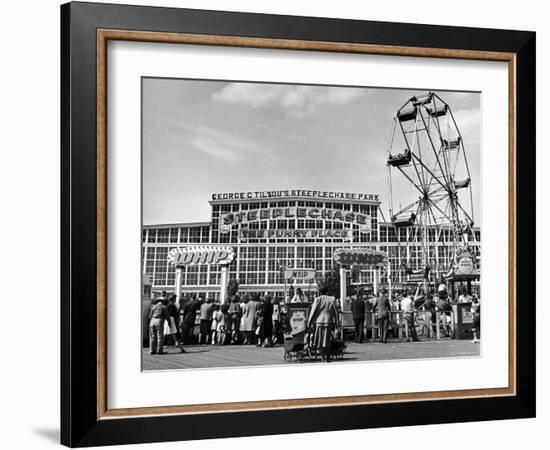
212 148
295 100
219 144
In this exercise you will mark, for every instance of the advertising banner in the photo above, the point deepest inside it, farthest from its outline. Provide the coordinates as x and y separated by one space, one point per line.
305 274
464 261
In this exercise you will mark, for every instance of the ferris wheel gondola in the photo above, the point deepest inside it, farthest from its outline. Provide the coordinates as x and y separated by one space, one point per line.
428 166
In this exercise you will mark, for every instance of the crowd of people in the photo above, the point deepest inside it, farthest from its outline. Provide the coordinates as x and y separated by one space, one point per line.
252 320
256 320
409 304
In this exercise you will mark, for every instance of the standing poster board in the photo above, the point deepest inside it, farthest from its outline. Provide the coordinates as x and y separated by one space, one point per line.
297 315
464 320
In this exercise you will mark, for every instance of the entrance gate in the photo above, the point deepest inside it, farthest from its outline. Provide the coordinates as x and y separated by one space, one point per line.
348 258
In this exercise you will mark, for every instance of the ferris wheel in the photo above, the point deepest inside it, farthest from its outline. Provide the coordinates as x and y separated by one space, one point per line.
429 183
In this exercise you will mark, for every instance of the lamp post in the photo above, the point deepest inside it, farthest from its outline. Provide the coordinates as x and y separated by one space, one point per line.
223 284
343 286
179 274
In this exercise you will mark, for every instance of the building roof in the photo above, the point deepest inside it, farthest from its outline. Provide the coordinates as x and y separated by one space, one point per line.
177 225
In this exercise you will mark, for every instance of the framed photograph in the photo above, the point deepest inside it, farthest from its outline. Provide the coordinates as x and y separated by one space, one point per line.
277 224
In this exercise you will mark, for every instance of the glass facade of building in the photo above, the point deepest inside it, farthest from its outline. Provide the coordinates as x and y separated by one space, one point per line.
285 239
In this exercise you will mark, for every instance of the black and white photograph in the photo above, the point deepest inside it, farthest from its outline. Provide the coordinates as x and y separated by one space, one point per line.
304 224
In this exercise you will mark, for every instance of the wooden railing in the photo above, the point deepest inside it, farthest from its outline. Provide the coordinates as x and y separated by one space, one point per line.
442 326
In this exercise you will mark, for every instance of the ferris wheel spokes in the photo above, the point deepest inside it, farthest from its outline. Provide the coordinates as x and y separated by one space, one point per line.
432 161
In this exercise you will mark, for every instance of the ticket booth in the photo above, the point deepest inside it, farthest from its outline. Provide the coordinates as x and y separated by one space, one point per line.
463 316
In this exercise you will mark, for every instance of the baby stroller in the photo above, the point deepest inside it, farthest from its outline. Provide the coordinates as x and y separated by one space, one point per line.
298 346
337 349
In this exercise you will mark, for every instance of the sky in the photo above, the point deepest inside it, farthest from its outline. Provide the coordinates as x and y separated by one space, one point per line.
202 137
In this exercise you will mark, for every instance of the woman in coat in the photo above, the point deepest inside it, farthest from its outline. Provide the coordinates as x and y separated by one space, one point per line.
236 313
250 308
324 317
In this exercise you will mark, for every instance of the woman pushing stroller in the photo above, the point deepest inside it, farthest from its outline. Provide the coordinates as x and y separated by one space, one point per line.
324 317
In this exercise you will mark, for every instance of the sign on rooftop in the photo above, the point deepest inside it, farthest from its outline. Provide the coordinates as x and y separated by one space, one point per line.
312 214
289 193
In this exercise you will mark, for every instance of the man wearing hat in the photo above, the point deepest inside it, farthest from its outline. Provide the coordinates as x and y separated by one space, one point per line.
382 308
358 314
188 323
476 322
407 306
443 307
157 316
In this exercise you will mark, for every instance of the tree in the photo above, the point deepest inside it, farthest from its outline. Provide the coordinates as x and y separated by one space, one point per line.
232 287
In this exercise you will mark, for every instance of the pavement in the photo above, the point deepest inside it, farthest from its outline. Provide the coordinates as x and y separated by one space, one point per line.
208 356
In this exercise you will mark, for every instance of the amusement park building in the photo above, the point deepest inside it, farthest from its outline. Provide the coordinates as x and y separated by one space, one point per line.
290 229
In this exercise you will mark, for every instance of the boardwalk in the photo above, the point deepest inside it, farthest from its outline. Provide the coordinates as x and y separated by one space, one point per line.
205 356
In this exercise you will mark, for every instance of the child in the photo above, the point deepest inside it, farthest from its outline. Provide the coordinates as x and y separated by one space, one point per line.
224 320
216 315
259 324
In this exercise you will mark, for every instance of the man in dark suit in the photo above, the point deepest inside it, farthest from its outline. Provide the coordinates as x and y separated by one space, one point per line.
188 323
266 328
382 308
358 314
